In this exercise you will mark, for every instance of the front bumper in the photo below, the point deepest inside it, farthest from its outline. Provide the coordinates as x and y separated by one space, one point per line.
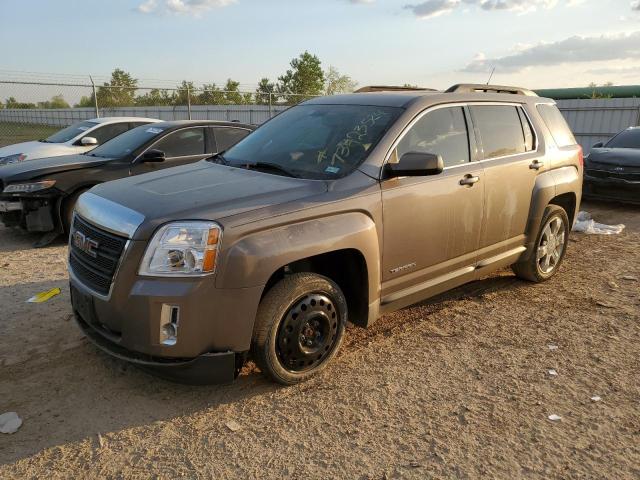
210 368
613 189
34 214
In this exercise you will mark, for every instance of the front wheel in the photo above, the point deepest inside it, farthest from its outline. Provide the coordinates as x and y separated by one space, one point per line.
550 247
299 327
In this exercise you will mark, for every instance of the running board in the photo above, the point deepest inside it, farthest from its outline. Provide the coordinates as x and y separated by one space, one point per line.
488 261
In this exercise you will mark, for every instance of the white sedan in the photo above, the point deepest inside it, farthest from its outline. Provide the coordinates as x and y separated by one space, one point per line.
77 138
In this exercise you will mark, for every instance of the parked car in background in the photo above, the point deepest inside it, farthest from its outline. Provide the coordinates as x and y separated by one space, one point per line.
77 138
341 208
40 195
612 169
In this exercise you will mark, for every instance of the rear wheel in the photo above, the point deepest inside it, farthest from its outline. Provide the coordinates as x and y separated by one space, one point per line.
550 247
299 327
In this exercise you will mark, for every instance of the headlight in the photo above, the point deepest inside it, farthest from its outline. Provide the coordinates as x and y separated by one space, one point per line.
182 249
28 187
18 157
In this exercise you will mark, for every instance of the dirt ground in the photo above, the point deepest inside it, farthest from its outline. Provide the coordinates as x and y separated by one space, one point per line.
457 387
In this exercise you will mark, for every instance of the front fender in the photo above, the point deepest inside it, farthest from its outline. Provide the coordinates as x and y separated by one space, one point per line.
253 258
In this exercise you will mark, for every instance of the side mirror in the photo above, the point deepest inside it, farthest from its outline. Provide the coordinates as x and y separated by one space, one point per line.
88 141
415 164
153 156
598 145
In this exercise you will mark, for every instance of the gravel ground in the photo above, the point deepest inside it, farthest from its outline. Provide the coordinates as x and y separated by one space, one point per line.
457 387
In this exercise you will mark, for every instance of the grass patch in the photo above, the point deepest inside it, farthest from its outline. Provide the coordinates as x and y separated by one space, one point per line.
11 133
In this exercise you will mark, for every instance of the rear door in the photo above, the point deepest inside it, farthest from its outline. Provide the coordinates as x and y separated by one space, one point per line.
511 161
432 223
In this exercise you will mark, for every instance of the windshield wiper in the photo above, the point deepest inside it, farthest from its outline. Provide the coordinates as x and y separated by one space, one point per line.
271 166
218 158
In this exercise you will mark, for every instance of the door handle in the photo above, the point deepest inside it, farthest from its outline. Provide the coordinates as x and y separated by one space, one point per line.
536 165
469 180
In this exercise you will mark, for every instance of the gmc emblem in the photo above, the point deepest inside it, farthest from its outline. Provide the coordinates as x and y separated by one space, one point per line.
84 243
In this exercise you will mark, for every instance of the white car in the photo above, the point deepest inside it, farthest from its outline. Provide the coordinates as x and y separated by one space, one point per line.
77 138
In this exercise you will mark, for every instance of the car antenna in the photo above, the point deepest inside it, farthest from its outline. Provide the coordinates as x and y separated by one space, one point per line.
491 76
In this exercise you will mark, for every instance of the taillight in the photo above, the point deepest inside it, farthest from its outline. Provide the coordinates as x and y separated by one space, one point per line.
580 156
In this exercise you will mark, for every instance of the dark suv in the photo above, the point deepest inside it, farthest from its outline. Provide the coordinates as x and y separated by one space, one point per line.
39 195
343 208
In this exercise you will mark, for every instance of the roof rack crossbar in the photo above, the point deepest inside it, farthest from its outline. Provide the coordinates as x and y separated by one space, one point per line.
481 88
392 88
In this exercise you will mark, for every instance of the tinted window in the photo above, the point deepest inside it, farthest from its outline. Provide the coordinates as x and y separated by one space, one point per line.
500 129
557 125
315 141
106 133
189 141
627 139
127 143
441 132
70 132
228 137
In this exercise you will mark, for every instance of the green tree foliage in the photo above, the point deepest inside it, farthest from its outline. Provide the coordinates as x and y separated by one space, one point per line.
232 93
211 95
156 97
265 90
120 91
57 101
335 82
305 78
11 102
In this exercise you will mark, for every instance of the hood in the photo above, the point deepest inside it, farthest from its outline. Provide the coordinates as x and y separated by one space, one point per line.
22 171
615 157
203 190
34 149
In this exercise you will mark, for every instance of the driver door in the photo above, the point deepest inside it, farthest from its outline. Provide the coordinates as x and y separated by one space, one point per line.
180 147
432 223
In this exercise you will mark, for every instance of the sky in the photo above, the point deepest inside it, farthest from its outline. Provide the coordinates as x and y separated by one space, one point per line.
432 43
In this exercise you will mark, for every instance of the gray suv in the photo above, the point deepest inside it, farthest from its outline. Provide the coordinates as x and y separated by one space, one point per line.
343 208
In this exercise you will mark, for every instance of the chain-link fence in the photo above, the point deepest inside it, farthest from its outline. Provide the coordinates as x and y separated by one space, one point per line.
35 110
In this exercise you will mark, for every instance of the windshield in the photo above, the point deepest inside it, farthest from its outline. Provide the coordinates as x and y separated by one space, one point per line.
626 139
125 143
314 141
70 132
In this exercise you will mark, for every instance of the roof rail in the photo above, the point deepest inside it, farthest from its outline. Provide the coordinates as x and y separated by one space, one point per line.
392 88
481 88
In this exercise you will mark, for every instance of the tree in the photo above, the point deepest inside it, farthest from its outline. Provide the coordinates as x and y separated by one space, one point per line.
13 103
232 94
120 91
156 98
335 83
211 95
265 91
305 78
57 101
185 89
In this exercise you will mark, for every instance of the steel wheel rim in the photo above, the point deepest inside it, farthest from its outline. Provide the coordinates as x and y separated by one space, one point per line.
551 245
307 333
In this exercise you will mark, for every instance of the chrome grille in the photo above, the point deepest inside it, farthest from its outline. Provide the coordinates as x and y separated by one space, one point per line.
95 272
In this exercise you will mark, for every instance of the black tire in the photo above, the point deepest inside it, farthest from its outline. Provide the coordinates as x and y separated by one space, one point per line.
299 327
68 205
533 268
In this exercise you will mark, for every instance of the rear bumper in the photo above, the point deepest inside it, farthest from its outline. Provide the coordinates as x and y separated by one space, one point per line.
611 189
210 368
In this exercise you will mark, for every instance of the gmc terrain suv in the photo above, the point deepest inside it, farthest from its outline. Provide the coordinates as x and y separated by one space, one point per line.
343 208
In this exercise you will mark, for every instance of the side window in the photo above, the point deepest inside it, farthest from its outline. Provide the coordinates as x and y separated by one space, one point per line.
189 141
441 132
227 137
501 130
529 138
557 125
106 133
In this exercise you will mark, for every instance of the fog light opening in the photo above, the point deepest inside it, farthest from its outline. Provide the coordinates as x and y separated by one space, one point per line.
169 318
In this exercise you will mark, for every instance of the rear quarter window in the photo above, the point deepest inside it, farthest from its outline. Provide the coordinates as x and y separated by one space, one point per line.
557 125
